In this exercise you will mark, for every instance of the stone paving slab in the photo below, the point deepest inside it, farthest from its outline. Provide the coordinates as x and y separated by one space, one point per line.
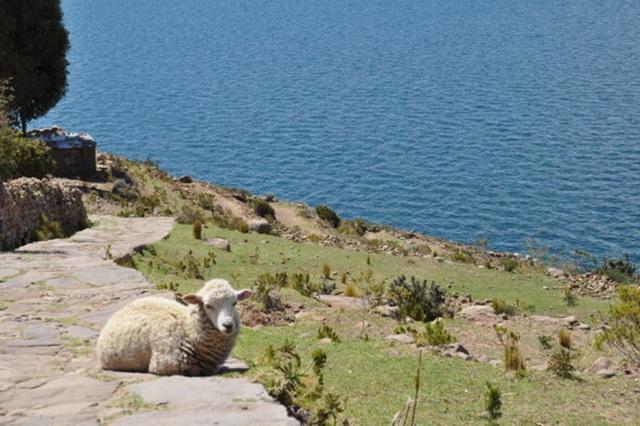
56 295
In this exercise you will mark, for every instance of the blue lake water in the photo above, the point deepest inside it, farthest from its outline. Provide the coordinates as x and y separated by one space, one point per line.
467 119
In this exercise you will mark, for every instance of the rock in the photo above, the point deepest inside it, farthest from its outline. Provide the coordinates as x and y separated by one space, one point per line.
386 311
186 179
400 338
261 226
475 311
325 341
464 356
82 332
570 320
555 272
483 358
600 364
219 243
495 362
583 327
606 373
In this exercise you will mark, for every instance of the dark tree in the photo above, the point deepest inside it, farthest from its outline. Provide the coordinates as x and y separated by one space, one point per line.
33 49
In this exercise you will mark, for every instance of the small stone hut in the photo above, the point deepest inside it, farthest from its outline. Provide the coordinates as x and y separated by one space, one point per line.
74 153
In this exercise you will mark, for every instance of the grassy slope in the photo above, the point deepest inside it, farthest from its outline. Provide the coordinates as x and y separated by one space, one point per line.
375 376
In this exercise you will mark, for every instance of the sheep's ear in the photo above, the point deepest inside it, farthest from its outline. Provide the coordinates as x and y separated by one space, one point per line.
192 299
244 294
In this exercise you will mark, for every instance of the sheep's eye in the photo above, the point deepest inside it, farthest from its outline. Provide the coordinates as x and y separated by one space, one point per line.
235 303
208 306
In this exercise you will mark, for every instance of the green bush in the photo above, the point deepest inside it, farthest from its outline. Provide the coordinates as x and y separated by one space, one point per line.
513 359
492 402
48 229
560 363
619 270
417 299
500 307
23 157
328 215
462 257
263 209
324 331
623 332
435 334
353 227
509 264
299 388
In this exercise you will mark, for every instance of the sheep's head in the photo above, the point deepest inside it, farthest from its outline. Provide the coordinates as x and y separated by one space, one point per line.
218 299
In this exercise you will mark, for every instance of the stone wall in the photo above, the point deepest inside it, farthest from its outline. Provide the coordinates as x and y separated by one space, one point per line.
24 201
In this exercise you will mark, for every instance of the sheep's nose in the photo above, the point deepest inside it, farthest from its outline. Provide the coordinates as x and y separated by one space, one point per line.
228 326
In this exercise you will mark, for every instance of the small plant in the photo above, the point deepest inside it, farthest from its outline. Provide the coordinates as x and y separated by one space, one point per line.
343 277
461 256
623 332
560 363
545 342
254 258
299 388
513 360
368 259
351 290
568 297
501 307
170 286
263 209
564 338
324 331
328 215
407 416
509 264
326 271
417 299
435 334
487 264
355 227
264 292
48 230
197 229
493 402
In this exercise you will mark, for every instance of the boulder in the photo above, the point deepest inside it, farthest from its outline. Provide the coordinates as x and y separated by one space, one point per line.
555 272
186 179
606 373
400 338
386 311
475 311
261 226
600 364
219 243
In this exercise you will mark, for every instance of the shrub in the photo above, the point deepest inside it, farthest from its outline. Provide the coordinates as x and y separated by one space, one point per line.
545 341
623 332
509 264
461 256
189 215
564 338
351 290
493 402
417 299
356 227
435 334
263 209
619 270
326 271
300 389
324 331
501 307
568 297
513 360
328 215
48 229
560 363
23 157
264 292
197 229
343 277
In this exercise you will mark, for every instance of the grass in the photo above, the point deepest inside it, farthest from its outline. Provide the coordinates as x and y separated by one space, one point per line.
376 376
276 254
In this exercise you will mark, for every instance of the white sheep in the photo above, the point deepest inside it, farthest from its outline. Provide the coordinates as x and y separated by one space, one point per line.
165 337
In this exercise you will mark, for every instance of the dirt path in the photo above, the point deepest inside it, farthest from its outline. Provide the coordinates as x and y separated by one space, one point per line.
54 298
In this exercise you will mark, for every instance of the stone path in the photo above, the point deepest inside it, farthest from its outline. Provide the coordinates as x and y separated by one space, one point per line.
54 298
